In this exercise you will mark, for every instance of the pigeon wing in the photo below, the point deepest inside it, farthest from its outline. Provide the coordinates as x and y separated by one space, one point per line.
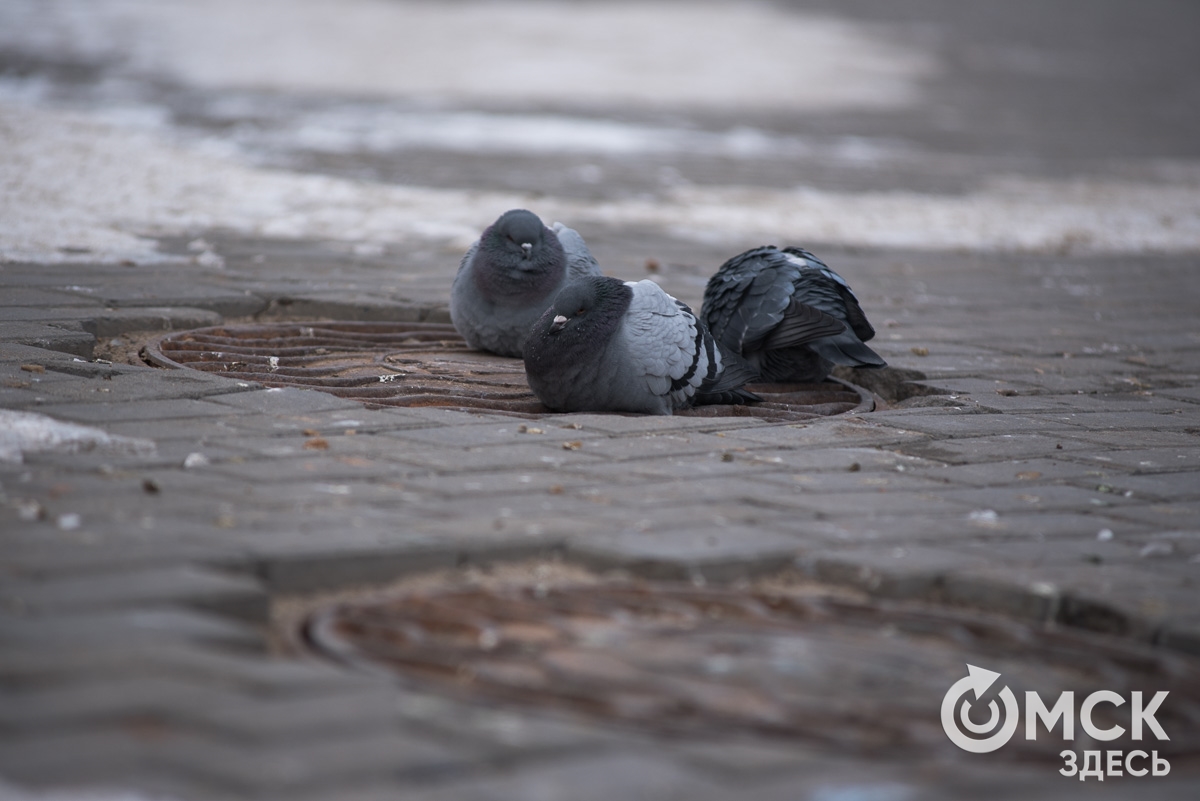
829 290
665 352
580 261
748 298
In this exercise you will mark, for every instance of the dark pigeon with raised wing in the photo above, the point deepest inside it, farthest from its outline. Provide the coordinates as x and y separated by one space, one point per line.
510 276
788 314
607 345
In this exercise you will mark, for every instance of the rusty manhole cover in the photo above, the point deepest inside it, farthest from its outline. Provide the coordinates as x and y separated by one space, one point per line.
831 669
426 364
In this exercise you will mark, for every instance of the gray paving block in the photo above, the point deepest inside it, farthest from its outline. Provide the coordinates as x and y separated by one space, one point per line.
90 758
287 400
974 425
109 411
114 386
1155 486
173 295
1126 421
901 572
994 448
344 305
932 480
1143 460
113 322
156 586
40 297
127 628
303 464
49 337
343 761
510 432
328 566
330 423
1019 472
40 559
703 553
70 664
519 456
1029 496
204 710
840 460
630 424
855 431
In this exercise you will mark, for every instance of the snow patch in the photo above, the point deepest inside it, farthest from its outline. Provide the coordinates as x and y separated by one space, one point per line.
24 433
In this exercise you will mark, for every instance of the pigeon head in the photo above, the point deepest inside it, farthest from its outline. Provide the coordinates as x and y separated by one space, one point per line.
517 238
589 306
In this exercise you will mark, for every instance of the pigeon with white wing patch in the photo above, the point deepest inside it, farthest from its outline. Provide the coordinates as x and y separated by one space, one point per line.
787 314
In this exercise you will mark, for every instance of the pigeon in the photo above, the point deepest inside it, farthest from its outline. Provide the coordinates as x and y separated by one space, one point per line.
510 276
788 315
607 345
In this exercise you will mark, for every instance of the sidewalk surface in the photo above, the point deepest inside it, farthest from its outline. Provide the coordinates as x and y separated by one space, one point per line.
1013 190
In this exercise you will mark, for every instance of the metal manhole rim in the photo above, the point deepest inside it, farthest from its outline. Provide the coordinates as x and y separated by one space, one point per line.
342 339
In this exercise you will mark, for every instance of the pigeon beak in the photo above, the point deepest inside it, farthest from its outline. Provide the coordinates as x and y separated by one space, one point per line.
526 248
557 325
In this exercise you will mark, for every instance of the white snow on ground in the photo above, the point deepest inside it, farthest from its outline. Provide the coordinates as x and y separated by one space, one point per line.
67 181
27 432
98 181
584 52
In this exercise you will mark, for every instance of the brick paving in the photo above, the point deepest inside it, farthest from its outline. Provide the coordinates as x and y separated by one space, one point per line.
1052 476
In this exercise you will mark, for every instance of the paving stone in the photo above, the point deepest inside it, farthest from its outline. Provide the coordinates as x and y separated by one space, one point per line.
847 459
114 322
109 411
1129 421
203 710
1032 496
135 386
1020 472
706 553
127 628
1155 486
49 337
1188 394
510 457
1144 460
585 777
950 424
306 467
158 586
48 560
858 482
322 566
848 432
994 448
281 401
89 758
510 432
1170 515
1120 439
333 423
29 296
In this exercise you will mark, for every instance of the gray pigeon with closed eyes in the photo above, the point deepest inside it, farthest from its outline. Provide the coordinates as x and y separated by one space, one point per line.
510 276
787 314
607 345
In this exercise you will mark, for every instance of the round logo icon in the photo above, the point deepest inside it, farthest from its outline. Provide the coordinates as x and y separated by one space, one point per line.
978 681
